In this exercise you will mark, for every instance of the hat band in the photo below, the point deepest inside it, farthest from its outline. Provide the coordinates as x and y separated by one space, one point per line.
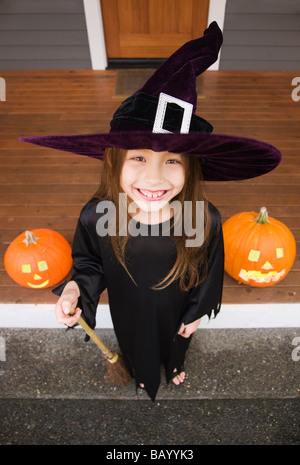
141 109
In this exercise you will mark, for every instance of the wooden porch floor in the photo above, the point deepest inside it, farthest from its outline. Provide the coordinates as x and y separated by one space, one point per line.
43 188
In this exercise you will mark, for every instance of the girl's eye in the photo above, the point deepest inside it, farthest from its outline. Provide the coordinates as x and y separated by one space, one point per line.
139 158
173 161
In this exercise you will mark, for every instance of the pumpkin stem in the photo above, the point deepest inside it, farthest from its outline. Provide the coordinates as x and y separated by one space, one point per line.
262 217
30 238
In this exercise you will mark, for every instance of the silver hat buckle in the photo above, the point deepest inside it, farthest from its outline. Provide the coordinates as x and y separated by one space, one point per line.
163 101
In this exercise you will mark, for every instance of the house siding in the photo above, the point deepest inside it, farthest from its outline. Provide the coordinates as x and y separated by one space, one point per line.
261 35
43 34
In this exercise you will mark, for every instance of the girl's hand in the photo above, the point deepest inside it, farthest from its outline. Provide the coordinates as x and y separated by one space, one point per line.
187 330
64 308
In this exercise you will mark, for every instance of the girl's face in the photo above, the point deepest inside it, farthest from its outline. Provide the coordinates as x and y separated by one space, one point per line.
152 179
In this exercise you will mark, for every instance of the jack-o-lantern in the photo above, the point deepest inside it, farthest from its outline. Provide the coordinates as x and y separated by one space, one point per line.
259 250
38 259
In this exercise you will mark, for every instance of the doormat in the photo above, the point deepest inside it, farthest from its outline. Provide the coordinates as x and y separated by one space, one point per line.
128 81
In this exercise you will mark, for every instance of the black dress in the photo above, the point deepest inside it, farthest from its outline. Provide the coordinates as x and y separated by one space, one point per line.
145 320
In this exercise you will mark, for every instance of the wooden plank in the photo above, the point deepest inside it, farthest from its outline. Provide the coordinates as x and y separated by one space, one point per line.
27 172
43 198
67 210
250 199
14 159
21 295
243 188
260 64
21 224
60 178
29 211
273 294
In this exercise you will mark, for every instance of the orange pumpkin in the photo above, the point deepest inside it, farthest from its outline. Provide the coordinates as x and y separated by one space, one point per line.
38 259
259 250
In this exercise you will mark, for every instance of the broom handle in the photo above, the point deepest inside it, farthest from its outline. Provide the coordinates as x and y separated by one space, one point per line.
90 332
108 353
94 337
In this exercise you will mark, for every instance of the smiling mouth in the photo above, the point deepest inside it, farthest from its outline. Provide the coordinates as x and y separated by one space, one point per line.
152 195
37 286
260 277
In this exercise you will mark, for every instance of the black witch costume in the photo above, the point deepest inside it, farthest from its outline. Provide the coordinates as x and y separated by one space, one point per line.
146 320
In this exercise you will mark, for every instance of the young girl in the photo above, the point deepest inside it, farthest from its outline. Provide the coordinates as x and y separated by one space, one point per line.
155 283
158 152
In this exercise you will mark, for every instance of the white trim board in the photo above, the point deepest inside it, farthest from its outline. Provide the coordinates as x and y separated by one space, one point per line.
216 13
230 316
95 32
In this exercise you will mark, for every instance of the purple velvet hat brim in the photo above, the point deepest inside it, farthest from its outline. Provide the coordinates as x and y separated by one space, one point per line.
223 157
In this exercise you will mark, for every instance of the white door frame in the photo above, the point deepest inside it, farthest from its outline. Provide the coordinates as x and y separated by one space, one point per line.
94 24
216 12
95 32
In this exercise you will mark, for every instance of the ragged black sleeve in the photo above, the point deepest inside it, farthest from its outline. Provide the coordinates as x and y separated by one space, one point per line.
206 297
87 270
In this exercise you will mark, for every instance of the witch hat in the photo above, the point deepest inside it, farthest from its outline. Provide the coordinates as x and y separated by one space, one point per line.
161 116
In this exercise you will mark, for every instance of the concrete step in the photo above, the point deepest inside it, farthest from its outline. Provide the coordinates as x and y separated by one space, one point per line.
242 387
177 423
221 363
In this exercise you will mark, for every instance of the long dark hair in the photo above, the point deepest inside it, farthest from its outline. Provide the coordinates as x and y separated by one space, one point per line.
190 267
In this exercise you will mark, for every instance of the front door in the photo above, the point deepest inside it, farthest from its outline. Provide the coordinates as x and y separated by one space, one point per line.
151 29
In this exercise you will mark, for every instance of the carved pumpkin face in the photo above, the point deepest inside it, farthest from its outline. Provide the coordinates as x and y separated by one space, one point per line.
37 278
260 270
38 259
259 250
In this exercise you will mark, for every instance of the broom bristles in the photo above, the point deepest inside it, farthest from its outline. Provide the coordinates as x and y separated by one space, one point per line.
117 373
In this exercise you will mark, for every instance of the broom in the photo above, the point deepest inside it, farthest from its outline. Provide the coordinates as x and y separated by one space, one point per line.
116 371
